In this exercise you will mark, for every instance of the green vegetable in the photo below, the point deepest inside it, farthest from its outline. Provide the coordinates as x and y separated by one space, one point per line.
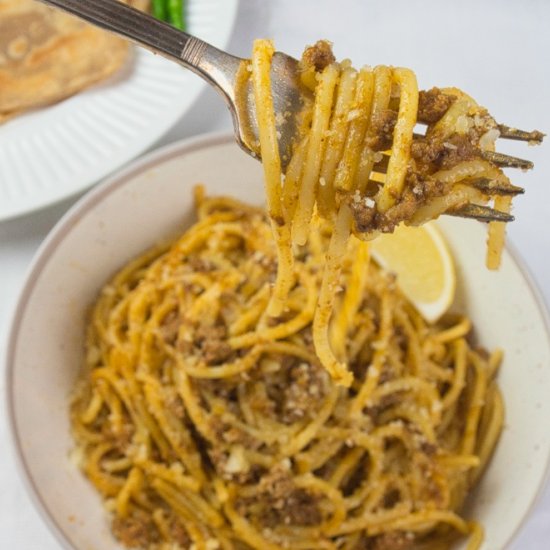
160 9
175 13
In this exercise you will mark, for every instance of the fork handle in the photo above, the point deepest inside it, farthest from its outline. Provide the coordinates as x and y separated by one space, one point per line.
212 64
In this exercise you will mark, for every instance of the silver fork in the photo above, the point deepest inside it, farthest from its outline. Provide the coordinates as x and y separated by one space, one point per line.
224 72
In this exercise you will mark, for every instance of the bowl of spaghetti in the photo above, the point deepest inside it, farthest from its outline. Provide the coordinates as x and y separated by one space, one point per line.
193 431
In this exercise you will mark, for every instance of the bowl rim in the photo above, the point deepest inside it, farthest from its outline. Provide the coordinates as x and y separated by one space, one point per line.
64 226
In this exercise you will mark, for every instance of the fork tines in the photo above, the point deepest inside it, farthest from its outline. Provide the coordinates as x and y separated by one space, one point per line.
487 185
494 187
533 137
499 159
507 132
506 161
481 213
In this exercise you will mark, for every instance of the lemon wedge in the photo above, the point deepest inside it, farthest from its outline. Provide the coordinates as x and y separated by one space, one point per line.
422 261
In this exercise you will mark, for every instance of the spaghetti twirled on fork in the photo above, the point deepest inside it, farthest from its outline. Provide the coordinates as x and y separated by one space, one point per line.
360 166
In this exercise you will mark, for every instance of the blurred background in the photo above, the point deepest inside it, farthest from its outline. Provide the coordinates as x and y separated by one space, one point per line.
496 50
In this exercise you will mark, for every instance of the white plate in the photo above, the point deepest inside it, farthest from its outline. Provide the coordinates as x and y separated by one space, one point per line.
54 152
151 200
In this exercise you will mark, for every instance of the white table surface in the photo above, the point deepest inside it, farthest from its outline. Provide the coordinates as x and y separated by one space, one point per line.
504 62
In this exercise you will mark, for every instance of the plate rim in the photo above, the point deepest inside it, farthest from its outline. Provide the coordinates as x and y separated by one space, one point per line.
18 211
63 227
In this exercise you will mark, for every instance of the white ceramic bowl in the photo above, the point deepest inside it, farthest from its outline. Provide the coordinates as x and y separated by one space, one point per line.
151 200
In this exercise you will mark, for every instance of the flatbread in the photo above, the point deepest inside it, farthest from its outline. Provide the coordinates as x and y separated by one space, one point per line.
47 55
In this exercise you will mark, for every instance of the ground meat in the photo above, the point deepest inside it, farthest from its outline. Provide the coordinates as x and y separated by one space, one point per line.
216 351
292 392
433 104
134 532
179 534
211 340
121 438
219 459
170 326
364 216
319 55
223 388
304 390
392 541
423 187
279 220
174 404
418 189
236 435
445 153
201 265
428 448
402 210
381 132
482 123
232 434
282 503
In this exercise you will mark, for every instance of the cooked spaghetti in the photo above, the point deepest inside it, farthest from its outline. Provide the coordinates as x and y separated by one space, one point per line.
359 165
207 423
